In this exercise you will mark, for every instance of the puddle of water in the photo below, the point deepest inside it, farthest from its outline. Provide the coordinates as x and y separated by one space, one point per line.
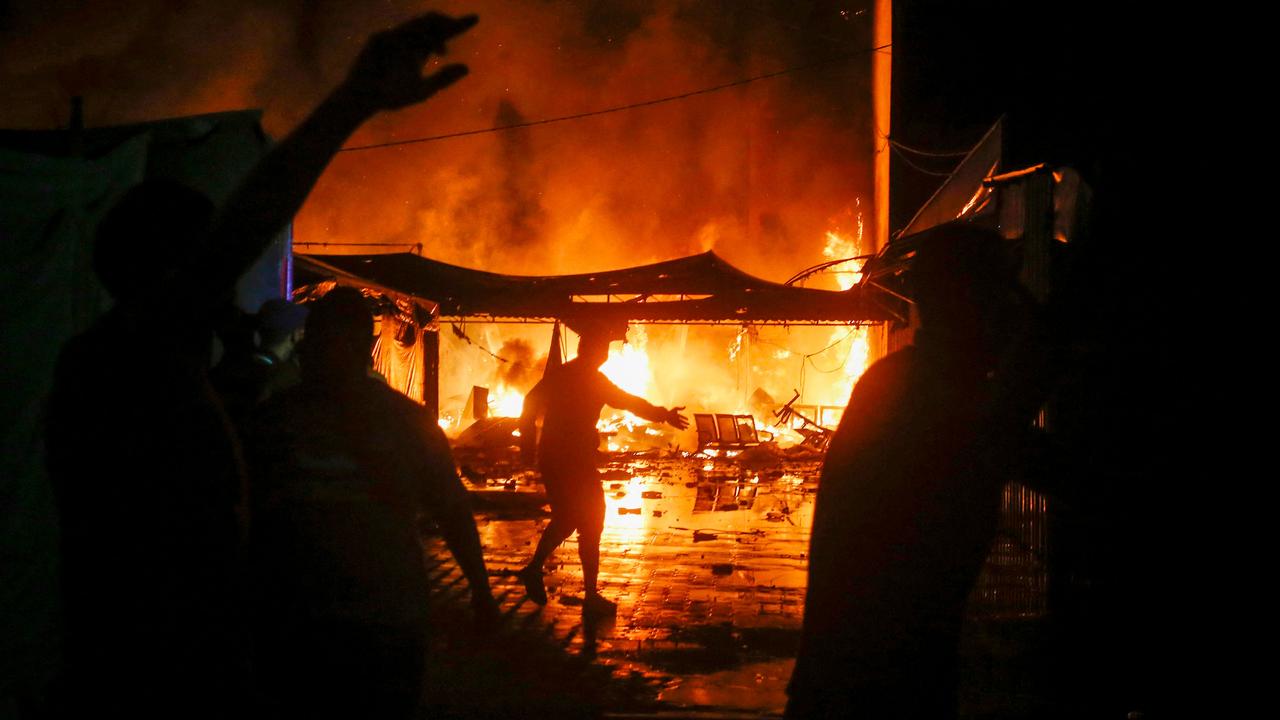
757 687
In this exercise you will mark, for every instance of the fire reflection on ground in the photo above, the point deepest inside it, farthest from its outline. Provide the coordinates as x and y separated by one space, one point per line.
706 561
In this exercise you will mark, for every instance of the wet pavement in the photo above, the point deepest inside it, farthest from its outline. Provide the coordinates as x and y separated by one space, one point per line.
706 561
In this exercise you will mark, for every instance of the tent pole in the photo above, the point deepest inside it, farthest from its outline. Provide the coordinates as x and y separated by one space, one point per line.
431 373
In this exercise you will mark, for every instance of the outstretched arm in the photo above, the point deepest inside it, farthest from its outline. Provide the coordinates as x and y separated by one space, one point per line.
618 398
386 76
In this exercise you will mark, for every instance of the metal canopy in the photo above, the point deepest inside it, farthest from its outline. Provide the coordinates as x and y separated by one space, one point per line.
697 289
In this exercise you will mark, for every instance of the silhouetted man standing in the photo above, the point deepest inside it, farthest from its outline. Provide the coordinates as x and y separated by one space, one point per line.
568 400
143 459
910 493
342 468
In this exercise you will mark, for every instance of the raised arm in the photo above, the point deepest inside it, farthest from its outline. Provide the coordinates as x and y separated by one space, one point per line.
387 75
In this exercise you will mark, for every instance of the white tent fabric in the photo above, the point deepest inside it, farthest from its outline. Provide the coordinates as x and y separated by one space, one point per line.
397 355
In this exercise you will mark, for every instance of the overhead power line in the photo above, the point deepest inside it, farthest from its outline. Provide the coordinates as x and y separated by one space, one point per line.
902 156
926 153
618 108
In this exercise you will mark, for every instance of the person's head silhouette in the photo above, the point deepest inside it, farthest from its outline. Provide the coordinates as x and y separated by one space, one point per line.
338 336
150 233
280 324
965 288
595 337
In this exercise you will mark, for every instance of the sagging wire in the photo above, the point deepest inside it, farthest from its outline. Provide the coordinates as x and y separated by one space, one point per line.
902 156
462 334
807 358
619 108
926 153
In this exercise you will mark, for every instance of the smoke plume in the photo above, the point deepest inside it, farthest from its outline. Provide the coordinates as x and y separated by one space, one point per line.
754 171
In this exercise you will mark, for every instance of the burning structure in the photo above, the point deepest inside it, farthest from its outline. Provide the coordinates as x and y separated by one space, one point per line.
665 357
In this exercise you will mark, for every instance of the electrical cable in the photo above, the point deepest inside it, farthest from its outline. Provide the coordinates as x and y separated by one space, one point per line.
459 332
916 167
926 153
618 108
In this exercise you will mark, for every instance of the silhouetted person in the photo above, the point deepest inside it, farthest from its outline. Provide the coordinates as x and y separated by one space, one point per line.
909 497
342 467
144 463
568 401
250 373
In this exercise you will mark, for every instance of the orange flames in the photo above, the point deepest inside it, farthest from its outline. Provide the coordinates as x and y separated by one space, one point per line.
755 172
720 369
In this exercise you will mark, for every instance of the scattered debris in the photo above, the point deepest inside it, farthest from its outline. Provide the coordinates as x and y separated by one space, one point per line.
657 513
473 476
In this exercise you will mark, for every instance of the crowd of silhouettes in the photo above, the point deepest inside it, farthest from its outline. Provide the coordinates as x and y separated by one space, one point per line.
149 468
343 466
247 535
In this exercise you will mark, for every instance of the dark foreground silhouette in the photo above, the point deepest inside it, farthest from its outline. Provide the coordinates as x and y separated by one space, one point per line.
909 497
342 467
144 462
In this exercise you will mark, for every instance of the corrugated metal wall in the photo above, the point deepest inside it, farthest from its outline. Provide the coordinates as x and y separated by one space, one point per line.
1015 581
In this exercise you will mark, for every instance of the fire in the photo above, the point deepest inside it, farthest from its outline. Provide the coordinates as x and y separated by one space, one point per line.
838 247
629 368
855 363
726 369
506 402
628 365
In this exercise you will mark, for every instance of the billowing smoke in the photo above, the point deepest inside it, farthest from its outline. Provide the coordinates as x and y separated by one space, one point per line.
754 171
761 172
523 367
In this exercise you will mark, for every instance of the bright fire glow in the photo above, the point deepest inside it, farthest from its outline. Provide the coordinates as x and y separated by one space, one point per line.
506 402
737 370
858 349
628 364
839 246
